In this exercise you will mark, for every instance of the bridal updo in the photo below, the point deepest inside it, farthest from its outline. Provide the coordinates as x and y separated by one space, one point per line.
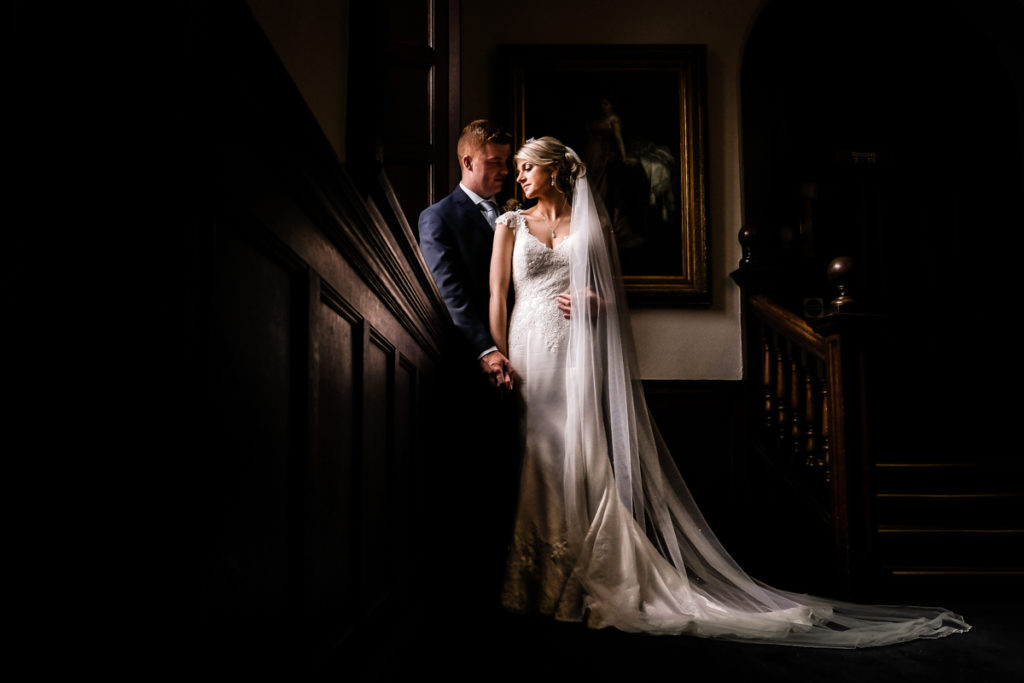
564 163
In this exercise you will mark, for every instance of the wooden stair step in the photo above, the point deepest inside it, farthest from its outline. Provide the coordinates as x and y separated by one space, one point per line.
943 509
949 477
991 547
967 571
938 584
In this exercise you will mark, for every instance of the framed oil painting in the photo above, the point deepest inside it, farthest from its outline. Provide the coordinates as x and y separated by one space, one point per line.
636 115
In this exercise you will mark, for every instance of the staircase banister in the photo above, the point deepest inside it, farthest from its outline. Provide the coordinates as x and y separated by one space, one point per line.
788 324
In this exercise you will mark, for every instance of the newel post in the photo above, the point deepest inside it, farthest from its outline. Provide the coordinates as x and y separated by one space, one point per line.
848 335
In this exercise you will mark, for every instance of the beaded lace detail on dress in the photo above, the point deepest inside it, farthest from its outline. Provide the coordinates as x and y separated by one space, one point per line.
539 275
539 577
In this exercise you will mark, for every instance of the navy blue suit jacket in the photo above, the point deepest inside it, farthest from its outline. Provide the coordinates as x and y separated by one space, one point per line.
456 243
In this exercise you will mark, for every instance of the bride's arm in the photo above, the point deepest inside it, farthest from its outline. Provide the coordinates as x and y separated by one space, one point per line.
501 270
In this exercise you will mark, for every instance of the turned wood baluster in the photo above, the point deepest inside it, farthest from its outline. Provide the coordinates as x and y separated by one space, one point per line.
825 461
781 392
767 384
798 406
812 416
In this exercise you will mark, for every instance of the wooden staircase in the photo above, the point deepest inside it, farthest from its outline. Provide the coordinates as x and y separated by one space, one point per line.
916 489
954 525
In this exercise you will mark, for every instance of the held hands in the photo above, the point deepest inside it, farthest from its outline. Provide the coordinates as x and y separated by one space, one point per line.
497 368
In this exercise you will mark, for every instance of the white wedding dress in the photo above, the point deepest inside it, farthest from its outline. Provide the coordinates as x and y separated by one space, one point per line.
606 531
539 572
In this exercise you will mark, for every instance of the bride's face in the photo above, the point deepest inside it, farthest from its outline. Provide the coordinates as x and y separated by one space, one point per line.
535 179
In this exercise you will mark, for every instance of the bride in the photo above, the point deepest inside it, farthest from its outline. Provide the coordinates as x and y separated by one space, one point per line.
606 531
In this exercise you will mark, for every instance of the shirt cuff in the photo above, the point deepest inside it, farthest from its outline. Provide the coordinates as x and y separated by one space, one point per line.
490 350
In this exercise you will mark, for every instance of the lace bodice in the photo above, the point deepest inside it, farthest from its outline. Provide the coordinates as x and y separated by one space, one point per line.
539 275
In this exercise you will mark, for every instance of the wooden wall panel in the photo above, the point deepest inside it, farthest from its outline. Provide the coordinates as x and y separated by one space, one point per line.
407 460
376 452
410 123
411 183
334 487
252 388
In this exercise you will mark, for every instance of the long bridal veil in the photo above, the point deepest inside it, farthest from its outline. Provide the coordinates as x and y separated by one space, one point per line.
646 558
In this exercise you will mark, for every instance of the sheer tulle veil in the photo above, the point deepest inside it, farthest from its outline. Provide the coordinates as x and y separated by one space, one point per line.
646 558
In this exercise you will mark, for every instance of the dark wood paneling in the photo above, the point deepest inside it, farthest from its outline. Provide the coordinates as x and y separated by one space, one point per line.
410 21
410 124
411 182
252 386
378 425
313 326
404 477
334 485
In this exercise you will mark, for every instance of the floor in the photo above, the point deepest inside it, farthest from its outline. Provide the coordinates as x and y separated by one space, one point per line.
509 648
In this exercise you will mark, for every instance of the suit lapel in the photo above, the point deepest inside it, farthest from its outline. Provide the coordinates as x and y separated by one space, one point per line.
469 212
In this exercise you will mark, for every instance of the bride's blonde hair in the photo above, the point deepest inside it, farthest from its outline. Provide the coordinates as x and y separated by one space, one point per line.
549 151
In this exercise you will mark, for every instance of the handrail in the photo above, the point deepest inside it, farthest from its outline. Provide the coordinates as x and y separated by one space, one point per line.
789 324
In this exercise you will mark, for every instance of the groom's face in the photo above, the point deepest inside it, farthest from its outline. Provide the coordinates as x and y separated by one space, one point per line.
485 171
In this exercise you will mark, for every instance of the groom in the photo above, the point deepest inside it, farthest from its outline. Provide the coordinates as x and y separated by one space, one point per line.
456 235
478 472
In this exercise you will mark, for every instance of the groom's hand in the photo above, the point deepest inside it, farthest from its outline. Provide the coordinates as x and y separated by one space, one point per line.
592 300
498 370
564 304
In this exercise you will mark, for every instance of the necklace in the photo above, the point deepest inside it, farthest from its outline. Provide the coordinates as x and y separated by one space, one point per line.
554 227
558 219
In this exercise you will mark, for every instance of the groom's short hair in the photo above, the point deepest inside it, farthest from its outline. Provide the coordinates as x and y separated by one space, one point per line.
478 133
